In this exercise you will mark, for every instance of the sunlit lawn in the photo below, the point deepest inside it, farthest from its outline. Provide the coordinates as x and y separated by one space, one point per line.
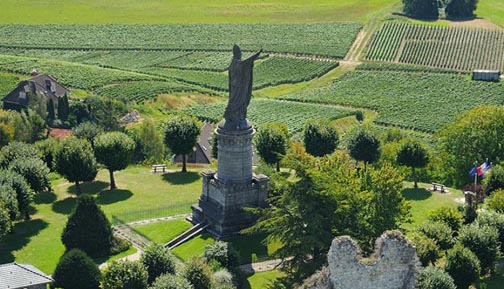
162 232
261 280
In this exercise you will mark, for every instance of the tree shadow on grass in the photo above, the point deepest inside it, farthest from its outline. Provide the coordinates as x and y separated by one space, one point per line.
89 187
418 194
109 197
65 206
45 198
20 237
180 178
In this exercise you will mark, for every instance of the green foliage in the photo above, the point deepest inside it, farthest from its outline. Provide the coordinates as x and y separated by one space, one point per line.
50 110
23 193
181 135
449 216
47 151
462 265
149 145
439 232
384 66
88 222
16 150
494 220
223 279
429 46
63 108
496 201
75 270
319 137
461 144
427 249
125 275
271 142
223 253
114 150
6 134
494 179
364 146
422 9
75 161
170 281
435 278
106 111
483 242
88 131
37 103
461 8
413 154
5 221
158 261
198 273
9 200
35 172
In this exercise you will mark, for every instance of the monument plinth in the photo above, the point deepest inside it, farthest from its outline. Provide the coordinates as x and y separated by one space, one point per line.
234 186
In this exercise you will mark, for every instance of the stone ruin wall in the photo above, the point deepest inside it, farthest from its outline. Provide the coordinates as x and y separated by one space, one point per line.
393 265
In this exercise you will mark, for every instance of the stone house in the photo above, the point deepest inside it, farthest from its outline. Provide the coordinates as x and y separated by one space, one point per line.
22 276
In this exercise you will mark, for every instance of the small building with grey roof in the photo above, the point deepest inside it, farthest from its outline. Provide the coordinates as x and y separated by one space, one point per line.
22 276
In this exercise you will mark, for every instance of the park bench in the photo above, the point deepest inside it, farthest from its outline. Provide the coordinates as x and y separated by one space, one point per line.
156 168
441 187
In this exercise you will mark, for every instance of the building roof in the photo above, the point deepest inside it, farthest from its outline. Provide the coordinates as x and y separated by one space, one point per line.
204 140
40 84
14 275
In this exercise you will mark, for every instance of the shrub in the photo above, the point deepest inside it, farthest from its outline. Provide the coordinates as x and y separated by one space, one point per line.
222 277
496 201
222 252
439 232
88 228
320 137
494 180
435 278
75 270
495 220
158 261
461 8
427 249
170 281
483 242
198 273
125 275
462 265
449 216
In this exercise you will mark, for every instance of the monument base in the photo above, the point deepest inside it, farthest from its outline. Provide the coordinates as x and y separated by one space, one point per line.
221 204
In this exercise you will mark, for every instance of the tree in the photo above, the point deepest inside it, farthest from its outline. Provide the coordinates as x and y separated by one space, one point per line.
158 261
106 111
271 143
17 150
37 103
364 146
494 220
170 281
422 9
88 131
35 172
8 198
483 242
462 265
427 249
37 125
222 252
23 193
439 232
181 135
114 150
88 222
496 201
319 137
6 134
75 161
460 144
63 108
450 216
47 151
75 270
435 278
125 275
413 154
457 9
151 142
5 221
494 179
50 110
198 273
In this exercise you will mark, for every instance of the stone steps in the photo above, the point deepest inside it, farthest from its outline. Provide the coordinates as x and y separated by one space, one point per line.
187 235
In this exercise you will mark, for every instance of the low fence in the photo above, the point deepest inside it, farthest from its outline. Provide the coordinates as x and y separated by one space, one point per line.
160 212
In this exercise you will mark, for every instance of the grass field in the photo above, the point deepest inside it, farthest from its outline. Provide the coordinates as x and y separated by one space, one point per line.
162 232
492 10
194 11
261 280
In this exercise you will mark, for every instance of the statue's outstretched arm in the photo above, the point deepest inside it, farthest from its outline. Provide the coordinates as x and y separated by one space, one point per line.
255 55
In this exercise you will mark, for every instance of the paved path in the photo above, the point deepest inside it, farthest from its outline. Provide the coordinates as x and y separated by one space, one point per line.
260 266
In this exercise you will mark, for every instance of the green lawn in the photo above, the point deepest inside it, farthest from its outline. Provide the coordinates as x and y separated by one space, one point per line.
180 11
492 10
194 247
261 280
162 232
38 241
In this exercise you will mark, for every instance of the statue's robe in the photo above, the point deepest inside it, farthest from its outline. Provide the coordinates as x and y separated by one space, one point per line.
240 89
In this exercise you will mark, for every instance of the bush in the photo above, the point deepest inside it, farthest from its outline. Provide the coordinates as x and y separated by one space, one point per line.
483 242
88 228
462 265
17 150
222 252
496 201
422 9
435 278
495 220
427 249
158 261
449 216
125 275
75 270
494 180
320 137
198 273
223 277
439 232
169 281
461 8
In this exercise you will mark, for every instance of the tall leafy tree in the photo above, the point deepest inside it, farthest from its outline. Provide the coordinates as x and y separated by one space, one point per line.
271 143
76 270
462 265
16 150
6 134
23 193
50 110
122 275
35 172
88 229
320 137
364 146
158 260
422 9
63 108
114 150
461 8
88 131
75 161
181 135
47 151
5 221
413 154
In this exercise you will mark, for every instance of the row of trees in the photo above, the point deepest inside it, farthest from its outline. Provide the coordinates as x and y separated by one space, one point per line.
429 9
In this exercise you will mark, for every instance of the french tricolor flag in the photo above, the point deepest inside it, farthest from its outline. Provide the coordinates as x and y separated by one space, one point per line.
480 170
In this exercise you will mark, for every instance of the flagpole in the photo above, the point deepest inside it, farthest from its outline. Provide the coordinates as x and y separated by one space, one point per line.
475 178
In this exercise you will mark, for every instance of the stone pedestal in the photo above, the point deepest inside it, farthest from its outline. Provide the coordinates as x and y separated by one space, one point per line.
234 186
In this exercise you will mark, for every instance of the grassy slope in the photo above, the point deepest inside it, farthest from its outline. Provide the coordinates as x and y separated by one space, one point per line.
492 10
162 232
180 11
261 280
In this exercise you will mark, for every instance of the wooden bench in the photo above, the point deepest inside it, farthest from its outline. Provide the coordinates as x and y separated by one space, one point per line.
156 168
435 186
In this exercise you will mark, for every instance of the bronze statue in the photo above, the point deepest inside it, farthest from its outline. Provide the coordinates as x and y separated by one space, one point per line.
240 88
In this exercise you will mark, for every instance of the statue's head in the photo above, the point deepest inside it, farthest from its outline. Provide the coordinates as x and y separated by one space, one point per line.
237 52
